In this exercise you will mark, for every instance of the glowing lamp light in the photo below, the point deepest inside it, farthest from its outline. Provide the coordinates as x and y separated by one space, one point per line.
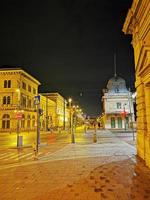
69 100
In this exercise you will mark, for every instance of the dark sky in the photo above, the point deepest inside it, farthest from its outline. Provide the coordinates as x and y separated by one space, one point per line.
68 45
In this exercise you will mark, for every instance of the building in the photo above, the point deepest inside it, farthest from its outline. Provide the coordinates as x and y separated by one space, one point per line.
118 111
17 92
48 117
137 23
62 113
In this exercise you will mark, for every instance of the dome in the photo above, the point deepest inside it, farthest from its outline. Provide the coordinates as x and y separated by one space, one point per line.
116 85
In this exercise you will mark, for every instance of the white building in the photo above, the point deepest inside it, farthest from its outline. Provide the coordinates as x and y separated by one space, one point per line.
117 105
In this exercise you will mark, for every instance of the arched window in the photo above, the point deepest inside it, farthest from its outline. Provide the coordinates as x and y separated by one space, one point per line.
8 100
28 121
113 124
6 121
119 122
23 121
4 100
5 83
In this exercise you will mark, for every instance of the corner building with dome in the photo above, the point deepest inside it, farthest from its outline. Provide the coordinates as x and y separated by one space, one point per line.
118 109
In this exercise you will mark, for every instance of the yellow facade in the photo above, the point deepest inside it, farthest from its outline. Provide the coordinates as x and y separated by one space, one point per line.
48 117
17 91
62 113
137 24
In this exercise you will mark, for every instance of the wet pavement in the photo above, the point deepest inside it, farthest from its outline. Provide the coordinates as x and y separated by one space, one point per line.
108 169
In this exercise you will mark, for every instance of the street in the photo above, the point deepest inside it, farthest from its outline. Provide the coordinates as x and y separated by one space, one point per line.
107 169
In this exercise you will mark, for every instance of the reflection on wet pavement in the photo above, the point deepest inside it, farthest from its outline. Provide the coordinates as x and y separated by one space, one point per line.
122 180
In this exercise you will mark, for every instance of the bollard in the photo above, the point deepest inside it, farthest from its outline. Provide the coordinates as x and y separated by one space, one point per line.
35 151
94 138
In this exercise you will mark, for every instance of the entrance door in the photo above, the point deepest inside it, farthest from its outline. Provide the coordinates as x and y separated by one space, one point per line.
119 122
113 125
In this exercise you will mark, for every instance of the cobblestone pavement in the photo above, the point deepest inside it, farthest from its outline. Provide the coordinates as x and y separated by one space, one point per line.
107 169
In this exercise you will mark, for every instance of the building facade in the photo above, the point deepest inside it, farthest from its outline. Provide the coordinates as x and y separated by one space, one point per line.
137 23
118 111
48 117
62 113
17 91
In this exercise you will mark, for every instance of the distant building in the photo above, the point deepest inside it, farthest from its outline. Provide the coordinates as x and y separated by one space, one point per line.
137 24
61 110
48 118
118 111
17 91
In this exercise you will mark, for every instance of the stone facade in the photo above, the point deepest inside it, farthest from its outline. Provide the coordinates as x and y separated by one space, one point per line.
137 24
48 119
17 91
61 110
117 105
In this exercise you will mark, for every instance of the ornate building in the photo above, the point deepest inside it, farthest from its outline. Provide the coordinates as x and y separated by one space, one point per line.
117 105
17 91
49 113
137 24
61 110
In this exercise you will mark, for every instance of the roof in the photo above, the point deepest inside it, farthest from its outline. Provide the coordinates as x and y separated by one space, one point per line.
21 71
116 85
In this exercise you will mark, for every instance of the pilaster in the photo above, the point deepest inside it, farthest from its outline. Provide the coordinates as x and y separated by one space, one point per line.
141 120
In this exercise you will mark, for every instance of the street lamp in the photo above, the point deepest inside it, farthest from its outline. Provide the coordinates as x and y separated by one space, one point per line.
18 117
129 99
71 127
124 115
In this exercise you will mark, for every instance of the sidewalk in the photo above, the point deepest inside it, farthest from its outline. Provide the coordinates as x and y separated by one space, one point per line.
92 171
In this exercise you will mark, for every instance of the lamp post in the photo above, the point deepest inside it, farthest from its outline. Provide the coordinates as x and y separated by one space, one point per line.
131 114
124 115
71 127
18 117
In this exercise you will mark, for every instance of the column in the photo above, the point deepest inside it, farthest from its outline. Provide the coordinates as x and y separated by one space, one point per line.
147 135
141 119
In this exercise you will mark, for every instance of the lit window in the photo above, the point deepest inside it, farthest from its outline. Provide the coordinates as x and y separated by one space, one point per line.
6 121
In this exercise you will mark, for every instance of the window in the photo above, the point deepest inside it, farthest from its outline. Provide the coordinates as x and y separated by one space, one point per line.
23 121
24 102
29 103
7 83
6 100
29 88
6 121
28 121
118 105
119 122
117 89
34 91
113 123
24 85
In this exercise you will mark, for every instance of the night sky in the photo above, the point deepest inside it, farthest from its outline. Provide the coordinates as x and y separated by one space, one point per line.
68 45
